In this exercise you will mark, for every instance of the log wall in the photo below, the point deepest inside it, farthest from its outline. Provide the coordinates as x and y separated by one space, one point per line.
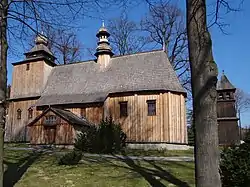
16 129
168 125
94 113
29 82
64 132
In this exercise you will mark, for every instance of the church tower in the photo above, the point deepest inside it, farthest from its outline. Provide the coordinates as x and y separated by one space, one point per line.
103 50
226 112
28 81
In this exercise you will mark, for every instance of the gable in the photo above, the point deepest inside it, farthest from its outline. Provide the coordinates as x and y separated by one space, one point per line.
62 116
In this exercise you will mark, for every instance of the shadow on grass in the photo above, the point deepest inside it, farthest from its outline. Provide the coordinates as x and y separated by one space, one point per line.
15 171
153 175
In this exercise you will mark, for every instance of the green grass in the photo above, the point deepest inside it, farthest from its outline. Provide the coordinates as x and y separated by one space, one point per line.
25 169
165 153
25 145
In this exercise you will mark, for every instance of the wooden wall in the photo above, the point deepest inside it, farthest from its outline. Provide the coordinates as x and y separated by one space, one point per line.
16 128
226 108
65 133
29 82
93 113
168 125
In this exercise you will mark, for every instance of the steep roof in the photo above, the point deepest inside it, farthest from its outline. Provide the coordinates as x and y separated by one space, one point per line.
224 83
66 115
86 82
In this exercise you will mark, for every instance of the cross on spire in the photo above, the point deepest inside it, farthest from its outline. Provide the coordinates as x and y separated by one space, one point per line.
103 23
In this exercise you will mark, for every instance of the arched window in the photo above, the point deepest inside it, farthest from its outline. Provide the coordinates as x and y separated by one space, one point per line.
227 95
19 113
30 113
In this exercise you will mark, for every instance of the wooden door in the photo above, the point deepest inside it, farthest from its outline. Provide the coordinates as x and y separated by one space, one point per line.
50 134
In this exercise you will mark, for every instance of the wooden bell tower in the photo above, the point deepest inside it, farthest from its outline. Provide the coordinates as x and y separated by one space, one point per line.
226 112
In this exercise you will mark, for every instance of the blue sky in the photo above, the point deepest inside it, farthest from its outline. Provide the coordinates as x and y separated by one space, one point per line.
231 51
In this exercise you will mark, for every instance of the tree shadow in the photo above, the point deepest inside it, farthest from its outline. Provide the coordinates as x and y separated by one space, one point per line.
154 175
15 171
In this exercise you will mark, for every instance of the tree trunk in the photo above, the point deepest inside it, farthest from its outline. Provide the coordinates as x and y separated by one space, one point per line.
204 79
3 80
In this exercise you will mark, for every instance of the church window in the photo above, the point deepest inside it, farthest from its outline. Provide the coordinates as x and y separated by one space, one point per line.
151 107
123 109
30 113
220 96
50 120
19 113
227 95
27 67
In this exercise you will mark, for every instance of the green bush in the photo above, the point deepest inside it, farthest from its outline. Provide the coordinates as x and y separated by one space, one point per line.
86 140
235 165
108 137
71 158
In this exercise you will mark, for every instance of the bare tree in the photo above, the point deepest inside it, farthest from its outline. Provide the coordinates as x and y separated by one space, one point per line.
126 37
204 79
64 44
204 74
242 104
242 101
166 27
22 18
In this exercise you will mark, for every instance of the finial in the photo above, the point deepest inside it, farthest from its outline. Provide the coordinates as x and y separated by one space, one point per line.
223 72
103 23
40 39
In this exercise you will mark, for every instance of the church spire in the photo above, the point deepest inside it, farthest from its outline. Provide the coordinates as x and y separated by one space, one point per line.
103 50
224 83
40 50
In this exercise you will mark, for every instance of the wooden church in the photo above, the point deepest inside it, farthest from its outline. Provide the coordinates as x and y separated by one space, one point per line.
49 103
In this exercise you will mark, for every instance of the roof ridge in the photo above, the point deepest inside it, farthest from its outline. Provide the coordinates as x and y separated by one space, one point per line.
74 63
115 56
138 53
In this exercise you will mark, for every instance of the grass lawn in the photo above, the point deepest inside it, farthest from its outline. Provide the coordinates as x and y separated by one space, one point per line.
165 153
26 169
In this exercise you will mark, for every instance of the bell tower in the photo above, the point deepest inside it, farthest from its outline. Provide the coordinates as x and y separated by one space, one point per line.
29 77
103 50
226 112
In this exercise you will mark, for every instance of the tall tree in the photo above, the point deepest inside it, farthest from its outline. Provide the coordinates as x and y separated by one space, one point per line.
3 79
126 37
203 79
166 27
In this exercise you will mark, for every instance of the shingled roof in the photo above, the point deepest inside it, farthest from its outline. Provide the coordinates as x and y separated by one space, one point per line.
224 83
86 82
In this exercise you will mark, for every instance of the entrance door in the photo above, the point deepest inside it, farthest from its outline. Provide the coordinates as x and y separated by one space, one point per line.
50 134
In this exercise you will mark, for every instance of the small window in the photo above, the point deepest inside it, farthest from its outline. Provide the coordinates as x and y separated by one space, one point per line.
151 107
50 120
19 113
30 113
27 67
220 96
227 95
123 109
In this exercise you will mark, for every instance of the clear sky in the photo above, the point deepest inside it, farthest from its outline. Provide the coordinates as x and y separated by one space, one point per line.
231 51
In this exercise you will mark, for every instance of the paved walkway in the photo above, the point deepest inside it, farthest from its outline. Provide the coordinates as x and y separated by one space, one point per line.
148 158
